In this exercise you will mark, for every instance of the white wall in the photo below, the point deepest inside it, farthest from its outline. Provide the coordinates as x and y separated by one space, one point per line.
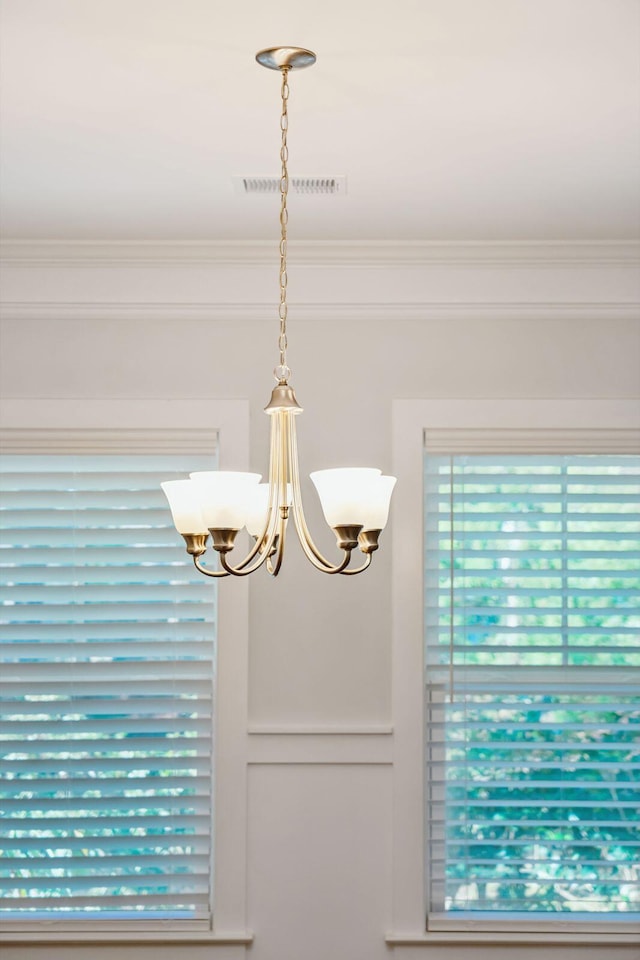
536 325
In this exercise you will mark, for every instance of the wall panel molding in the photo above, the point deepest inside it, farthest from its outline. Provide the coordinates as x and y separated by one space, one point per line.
320 745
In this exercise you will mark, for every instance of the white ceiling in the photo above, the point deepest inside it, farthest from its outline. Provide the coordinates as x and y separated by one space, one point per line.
452 119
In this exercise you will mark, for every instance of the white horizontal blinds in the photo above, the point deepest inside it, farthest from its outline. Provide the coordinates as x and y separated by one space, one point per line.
107 660
533 683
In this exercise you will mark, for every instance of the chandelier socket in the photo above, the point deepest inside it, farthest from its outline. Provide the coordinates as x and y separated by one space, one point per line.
368 540
347 536
285 58
283 398
196 543
223 538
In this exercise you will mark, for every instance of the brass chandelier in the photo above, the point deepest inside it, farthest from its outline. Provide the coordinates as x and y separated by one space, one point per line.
355 500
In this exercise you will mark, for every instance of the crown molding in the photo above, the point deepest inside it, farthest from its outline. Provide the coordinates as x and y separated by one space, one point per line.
319 253
366 312
344 282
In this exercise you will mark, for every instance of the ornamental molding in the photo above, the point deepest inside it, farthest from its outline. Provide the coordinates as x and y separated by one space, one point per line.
321 253
309 312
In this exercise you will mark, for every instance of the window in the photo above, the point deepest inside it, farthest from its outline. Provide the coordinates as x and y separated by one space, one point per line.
533 683
107 692
486 427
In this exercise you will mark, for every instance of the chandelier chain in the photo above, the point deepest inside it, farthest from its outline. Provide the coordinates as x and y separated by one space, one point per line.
283 372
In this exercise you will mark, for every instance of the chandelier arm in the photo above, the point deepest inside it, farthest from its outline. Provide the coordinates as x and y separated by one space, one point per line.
278 484
245 571
261 541
338 568
265 543
207 572
263 547
352 572
258 547
306 541
260 544
274 568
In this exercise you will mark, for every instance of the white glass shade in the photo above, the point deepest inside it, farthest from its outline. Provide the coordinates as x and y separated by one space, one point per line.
344 493
225 496
185 506
354 495
376 502
258 506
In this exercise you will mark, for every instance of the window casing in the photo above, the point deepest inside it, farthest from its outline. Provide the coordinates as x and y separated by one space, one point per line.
469 425
157 426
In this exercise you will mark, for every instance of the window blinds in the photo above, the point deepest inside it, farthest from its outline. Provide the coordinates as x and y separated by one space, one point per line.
533 684
106 698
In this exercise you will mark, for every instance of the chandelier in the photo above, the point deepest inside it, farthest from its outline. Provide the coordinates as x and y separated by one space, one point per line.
355 500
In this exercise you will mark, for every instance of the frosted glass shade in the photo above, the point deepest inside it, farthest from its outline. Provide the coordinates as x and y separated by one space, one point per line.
376 502
185 506
258 506
344 493
225 496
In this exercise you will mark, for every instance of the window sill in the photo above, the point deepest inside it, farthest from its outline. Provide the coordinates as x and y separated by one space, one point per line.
48 934
483 937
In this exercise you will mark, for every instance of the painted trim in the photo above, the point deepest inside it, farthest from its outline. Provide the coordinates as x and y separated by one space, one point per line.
312 730
352 744
479 938
316 312
311 252
354 749
151 440
230 419
419 282
410 419
586 440
99 934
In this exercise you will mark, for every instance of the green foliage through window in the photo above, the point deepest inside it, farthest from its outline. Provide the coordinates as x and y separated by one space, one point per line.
532 628
106 699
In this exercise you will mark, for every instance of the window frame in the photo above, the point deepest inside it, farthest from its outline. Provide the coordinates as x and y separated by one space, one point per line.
110 425
411 418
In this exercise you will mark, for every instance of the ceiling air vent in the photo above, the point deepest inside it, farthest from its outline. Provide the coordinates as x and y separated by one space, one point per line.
335 186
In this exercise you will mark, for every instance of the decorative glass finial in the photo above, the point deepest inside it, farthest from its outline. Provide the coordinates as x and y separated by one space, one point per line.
282 373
